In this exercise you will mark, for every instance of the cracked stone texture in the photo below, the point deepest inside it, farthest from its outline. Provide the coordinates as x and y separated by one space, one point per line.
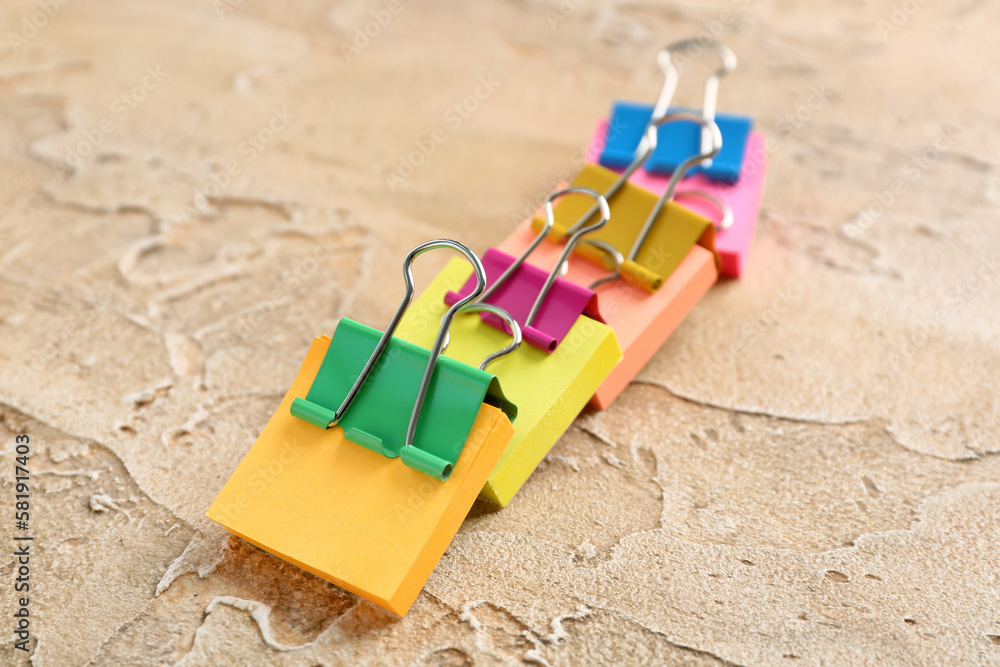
807 472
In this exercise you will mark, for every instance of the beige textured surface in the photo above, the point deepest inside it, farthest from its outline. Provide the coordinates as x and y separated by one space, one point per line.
809 469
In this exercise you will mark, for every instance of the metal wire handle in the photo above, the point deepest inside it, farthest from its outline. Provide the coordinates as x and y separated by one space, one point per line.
678 174
515 330
726 218
601 204
425 381
671 76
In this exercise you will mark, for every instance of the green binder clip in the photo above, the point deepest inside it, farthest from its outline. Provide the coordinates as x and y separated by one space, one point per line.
397 398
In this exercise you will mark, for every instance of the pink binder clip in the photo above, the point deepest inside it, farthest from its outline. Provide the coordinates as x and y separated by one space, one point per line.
543 303
743 197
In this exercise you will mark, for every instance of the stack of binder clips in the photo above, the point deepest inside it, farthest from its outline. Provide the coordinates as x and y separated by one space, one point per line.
385 438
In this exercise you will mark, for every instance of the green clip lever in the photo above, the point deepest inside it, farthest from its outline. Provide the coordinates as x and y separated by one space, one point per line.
404 400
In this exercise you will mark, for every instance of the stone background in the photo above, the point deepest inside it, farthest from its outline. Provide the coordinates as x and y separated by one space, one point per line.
807 470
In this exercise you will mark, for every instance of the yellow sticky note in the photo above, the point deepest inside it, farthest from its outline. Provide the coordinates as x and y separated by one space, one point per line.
549 390
360 520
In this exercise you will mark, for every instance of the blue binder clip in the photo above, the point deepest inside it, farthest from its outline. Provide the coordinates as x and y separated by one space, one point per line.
678 141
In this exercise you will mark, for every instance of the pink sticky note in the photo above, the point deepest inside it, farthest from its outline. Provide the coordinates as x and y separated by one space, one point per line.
743 197
641 320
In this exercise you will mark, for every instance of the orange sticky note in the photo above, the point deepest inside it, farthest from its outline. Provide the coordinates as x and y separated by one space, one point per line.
642 320
355 518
